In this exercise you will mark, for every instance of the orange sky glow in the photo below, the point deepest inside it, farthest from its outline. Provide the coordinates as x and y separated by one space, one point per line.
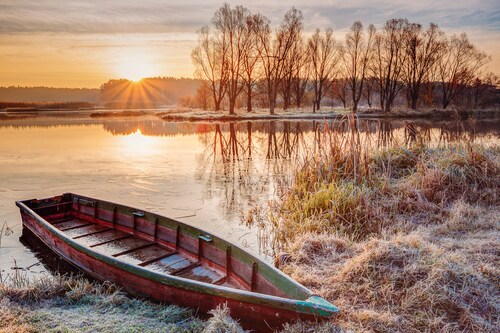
85 43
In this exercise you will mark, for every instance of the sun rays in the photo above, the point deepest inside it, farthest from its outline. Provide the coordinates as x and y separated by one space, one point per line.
126 93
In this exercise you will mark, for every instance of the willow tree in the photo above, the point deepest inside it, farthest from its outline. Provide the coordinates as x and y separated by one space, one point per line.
295 59
300 75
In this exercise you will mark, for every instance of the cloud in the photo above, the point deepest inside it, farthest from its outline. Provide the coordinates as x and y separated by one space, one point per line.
154 16
77 42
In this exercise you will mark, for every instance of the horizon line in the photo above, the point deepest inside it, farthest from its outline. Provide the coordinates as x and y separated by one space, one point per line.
89 88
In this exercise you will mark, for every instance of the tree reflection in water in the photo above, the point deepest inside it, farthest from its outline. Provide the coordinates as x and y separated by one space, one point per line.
246 164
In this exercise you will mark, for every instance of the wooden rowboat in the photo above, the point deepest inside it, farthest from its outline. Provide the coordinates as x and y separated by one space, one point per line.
164 259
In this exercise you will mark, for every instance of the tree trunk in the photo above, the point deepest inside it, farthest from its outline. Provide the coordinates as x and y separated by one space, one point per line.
272 100
249 98
231 106
286 101
414 102
271 107
446 101
387 106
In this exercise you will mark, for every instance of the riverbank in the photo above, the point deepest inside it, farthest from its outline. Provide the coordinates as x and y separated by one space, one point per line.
73 304
411 253
401 239
173 114
194 115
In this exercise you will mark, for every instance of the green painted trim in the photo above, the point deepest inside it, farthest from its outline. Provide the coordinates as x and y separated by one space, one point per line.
306 302
320 304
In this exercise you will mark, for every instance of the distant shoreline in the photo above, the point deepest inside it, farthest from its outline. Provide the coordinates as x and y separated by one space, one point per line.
197 115
200 115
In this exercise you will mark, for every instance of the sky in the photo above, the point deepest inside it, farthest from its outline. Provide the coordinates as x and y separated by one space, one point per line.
85 43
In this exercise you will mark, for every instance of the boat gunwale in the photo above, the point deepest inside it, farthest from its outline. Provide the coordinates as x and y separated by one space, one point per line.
312 305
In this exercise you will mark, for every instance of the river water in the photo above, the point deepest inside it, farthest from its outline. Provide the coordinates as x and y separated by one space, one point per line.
205 174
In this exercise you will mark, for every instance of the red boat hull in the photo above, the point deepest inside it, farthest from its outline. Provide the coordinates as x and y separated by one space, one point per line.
252 316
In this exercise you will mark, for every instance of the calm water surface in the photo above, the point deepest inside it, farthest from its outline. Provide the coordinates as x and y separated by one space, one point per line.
207 175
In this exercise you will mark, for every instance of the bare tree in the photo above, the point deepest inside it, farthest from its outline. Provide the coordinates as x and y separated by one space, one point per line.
390 57
324 57
293 63
340 90
202 96
423 49
458 66
209 58
231 27
251 72
484 90
241 53
356 57
300 79
274 52
368 90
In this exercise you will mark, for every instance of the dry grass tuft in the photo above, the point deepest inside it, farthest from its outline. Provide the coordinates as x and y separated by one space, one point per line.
11 319
388 188
73 304
406 283
304 327
21 289
466 172
221 322
401 239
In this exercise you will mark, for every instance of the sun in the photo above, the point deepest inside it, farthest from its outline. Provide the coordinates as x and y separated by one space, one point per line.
134 66
135 75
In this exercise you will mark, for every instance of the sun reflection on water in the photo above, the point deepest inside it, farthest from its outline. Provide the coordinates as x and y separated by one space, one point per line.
140 144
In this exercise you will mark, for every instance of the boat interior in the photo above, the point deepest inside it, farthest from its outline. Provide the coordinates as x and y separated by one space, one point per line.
160 244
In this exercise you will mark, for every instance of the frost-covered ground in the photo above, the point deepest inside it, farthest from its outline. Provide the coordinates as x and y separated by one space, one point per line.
257 114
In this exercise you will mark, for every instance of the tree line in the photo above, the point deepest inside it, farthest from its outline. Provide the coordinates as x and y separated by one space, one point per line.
48 94
242 61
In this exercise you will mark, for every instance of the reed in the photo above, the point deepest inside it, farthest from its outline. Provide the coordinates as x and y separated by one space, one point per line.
401 238
5 230
354 187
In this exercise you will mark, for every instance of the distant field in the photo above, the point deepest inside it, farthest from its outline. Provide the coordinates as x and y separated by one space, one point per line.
45 94
22 106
